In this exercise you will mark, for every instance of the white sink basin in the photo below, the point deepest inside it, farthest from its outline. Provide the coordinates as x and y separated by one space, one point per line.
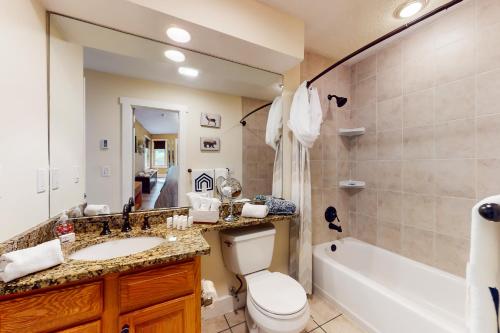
116 248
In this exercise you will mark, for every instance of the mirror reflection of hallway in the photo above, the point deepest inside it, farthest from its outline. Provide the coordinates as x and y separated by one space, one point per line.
156 174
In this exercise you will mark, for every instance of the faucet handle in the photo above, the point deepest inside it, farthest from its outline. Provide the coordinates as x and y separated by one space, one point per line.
105 228
145 224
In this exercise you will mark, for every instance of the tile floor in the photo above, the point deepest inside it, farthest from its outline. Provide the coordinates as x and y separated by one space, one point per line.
325 318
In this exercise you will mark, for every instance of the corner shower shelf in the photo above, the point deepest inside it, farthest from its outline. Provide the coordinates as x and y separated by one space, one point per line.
352 184
351 131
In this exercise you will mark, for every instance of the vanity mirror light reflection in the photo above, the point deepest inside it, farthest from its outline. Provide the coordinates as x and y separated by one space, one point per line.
129 116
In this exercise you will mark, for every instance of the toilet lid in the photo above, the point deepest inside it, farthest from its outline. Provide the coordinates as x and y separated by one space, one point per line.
278 294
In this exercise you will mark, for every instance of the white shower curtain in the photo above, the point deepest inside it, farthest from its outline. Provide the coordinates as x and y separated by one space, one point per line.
305 122
274 129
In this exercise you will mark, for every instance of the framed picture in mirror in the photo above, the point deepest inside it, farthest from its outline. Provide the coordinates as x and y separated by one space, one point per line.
210 120
209 144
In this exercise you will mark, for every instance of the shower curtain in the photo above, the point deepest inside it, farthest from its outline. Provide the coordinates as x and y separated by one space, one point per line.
305 122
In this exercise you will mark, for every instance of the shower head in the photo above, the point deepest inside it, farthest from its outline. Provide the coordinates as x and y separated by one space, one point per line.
490 212
341 101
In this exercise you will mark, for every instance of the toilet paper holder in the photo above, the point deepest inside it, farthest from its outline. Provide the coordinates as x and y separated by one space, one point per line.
207 301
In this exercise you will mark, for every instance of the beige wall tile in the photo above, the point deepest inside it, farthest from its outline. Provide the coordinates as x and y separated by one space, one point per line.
390 114
389 56
389 145
366 68
389 175
455 178
455 25
488 46
419 73
390 206
419 211
389 236
455 61
316 174
455 139
366 171
488 12
455 100
419 176
366 117
366 202
418 143
366 228
389 83
418 44
329 146
364 93
488 136
453 216
488 86
418 244
488 177
418 108
316 152
451 254
329 174
366 147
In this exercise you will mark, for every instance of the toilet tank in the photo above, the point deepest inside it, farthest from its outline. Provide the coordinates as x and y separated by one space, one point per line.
248 249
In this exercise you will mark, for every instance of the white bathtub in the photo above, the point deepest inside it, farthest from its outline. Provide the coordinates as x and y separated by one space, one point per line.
388 293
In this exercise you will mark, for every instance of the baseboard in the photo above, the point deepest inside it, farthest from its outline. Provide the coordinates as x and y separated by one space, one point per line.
224 305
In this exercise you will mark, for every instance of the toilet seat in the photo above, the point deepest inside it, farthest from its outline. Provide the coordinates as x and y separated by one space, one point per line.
276 295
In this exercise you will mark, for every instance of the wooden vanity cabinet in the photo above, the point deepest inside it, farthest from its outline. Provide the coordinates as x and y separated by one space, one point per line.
165 298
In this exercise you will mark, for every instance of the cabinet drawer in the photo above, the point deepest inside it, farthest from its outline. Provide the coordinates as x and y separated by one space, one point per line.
93 327
51 310
155 286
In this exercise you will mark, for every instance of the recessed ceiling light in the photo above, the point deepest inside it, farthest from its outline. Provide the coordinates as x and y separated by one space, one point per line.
188 71
178 35
410 8
175 55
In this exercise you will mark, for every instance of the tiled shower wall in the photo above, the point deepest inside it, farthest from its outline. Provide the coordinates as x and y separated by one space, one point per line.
330 154
258 158
430 105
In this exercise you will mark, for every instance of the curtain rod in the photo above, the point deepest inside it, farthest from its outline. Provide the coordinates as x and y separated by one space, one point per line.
385 37
367 46
243 122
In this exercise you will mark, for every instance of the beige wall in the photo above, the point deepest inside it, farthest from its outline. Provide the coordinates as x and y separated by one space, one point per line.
24 135
67 123
429 103
258 157
103 121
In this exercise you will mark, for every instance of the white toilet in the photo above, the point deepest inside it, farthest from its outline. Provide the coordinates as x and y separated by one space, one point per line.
276 303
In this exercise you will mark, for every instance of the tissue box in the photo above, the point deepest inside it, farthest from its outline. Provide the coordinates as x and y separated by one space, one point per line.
204 216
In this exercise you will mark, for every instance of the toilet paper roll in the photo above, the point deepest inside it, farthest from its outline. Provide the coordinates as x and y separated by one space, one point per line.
208 291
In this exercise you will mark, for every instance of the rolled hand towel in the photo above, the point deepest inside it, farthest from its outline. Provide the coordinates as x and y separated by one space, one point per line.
92 210
280 206
19 263
256 211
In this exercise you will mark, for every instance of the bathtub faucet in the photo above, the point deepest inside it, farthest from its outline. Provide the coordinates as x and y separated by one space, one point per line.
335 227
330 217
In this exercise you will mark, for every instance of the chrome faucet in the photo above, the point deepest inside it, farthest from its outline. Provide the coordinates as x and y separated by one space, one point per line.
127 208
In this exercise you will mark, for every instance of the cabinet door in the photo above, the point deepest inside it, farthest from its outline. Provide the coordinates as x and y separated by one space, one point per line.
176 316
94 327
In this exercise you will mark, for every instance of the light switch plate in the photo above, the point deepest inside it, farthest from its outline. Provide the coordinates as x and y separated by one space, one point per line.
41 180
106 171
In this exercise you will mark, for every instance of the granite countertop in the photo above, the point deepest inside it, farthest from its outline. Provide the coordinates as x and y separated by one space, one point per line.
189 243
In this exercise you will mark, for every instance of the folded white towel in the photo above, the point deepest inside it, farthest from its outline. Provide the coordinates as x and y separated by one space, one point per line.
19 263
215 205
92 210
256 211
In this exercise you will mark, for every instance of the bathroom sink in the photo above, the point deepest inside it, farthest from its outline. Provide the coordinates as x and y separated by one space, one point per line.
116 248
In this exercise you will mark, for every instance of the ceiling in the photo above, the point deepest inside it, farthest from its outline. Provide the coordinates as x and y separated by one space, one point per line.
336 28
119 53
157 121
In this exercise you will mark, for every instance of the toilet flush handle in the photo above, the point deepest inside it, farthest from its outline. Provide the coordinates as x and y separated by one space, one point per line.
228 243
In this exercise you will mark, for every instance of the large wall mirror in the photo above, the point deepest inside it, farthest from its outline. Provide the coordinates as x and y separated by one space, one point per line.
128 121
